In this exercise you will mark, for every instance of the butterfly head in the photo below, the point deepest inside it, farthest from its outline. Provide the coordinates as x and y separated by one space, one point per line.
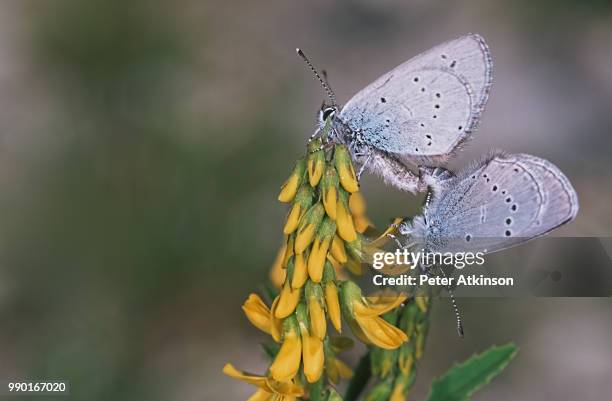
326 112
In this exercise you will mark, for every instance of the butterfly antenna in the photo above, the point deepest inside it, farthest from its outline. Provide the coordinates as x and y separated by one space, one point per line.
455 307
328 90
457 313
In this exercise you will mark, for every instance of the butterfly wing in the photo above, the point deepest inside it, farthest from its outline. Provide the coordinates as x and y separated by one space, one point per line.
425 108
498 203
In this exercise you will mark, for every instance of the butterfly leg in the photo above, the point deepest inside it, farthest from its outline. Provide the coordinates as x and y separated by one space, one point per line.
314 135
363 166
397 241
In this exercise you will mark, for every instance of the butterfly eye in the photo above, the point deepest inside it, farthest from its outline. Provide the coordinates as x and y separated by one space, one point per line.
328 112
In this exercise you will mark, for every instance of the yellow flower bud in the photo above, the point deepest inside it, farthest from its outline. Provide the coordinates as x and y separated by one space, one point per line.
344 166
308 227
343 370
405 360
316 165
276 325
287 302
337 250
354 266
288 251
300 272
312 352
344 221
398 391
318 253
290 187
301 204
292 219
258 313
317 257
330 200
357 204
318 324
305 237
338 268
330 191
336 369
333 395
333 305
362 223
422 303
287 361
277 272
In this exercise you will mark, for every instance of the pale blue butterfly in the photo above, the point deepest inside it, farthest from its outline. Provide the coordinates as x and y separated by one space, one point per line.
416 114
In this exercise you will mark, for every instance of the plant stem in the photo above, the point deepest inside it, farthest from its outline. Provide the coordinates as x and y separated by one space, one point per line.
360 378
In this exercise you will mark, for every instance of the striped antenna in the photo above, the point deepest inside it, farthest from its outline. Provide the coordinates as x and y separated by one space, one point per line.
328 90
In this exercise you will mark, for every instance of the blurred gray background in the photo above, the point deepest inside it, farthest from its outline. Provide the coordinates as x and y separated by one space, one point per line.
143 143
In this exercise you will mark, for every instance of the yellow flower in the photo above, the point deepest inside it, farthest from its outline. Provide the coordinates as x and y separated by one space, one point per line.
422 303
399 390
292 219
337 250
377 330
333 305
300 272
357 204
336 369
287 361
344 221
312 352
290 187
288 251
316 259
354 266
405 360
316 164
258 313
330 191
318 324
362 223
269 389
302 201
277 273
288 300
318 253
365 320
333 395
345 169
276 324
308 226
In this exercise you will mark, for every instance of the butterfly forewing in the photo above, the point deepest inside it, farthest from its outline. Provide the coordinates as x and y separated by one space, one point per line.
423 109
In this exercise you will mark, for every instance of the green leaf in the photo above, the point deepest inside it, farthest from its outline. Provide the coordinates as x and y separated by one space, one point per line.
459 383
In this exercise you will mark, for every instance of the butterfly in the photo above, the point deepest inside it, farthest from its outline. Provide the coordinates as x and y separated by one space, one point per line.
419 113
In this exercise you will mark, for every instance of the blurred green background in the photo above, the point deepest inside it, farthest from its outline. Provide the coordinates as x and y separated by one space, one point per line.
143 143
